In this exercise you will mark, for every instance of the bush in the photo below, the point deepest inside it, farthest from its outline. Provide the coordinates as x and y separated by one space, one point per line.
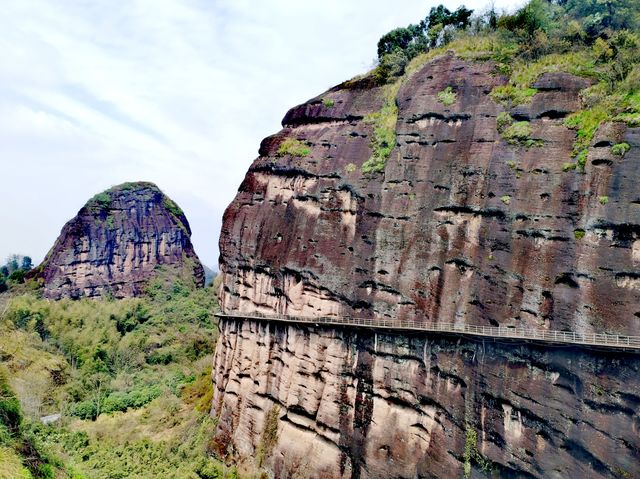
503 120
293 147
519 133
620 149
447 96
391 65
10 413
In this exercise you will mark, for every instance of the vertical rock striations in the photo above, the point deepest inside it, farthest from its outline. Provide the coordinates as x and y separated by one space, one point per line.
118 241
469 223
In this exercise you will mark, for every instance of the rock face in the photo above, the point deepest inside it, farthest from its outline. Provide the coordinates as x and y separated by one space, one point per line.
118 241
461 227
365 405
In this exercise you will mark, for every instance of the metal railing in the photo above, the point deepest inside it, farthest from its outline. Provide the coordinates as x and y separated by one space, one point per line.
616 341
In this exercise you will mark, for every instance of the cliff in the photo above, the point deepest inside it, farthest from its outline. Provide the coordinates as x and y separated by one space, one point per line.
118 241
477 217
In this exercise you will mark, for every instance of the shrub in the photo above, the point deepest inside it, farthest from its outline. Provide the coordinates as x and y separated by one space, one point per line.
328 102
506 199
579 234
17 276
350 168
391 65
384 132
293 147
581 159
10 413
569 166
620 149
100 202
447 96
510 95
269 437
603 200
519 133
503 120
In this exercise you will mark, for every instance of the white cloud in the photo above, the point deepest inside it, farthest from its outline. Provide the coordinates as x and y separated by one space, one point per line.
179 92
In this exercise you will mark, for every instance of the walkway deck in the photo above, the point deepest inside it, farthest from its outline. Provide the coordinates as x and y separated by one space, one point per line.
608 341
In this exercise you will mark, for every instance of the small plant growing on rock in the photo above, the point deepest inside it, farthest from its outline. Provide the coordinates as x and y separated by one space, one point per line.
293 147
503 120
100 202
506 199
620 149
581 159
269 437
569 166
328 102
447 96
511 164
510 95
603 200
579 234
519 133
350 168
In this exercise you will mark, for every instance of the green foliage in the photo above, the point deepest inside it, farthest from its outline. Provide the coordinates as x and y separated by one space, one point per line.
293 147
581 159
350 168
172 207
569 167
603 200
10 413
384 132
447 96
503 121
391 65
124 417
506 199
410 41
471 454
269 436
100 202
510 95
519 133
620 149
586 123
328 102
579 234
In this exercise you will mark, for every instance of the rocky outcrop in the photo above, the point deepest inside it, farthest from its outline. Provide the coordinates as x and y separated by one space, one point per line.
462 226
118 241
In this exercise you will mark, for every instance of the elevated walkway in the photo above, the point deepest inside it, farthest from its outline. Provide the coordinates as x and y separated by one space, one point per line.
594 340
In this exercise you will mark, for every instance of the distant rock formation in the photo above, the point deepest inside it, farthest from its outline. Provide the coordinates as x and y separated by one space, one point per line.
119 240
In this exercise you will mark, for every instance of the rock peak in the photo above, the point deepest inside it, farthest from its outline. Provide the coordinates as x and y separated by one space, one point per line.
118 241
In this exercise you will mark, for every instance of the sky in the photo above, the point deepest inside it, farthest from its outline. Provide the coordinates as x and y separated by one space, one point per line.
177 92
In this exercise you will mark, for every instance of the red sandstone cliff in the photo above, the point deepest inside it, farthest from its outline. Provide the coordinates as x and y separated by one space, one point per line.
461 227
117 242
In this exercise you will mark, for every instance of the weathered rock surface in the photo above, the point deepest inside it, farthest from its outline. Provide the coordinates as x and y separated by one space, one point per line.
365 405
462 227
434 237
118 241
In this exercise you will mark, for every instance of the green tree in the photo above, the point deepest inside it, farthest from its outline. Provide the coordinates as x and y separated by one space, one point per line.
27 263
598 16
